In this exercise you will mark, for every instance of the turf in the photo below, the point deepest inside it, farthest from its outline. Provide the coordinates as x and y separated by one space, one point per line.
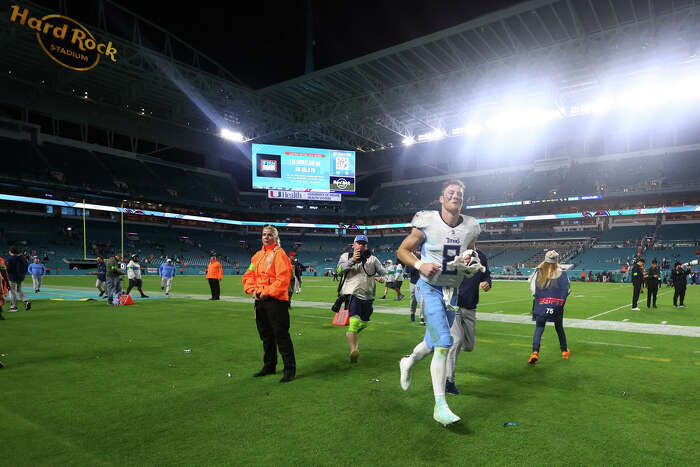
89 384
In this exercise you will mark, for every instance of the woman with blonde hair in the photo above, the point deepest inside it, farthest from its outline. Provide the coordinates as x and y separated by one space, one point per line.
549 285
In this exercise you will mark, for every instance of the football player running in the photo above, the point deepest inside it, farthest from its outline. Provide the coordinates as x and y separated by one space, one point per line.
442 236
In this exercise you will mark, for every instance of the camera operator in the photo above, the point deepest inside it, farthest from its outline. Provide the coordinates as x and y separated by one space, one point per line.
361 270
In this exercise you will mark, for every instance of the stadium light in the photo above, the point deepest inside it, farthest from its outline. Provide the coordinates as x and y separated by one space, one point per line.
234 136
408 140
472 129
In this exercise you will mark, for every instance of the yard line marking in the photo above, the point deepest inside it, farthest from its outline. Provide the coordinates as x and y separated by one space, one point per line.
651 359
625 320
488 341
599 325
616 345
697 351
391 331
618 308
515 344
609 311
578 296
697 363
506 301
664 322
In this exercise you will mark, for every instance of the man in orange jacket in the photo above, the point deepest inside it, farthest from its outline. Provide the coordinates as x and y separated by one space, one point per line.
267 280
214 274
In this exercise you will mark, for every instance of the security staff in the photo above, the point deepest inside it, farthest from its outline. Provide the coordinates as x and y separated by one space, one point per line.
653 276
215 272
637 279
679 276
267 280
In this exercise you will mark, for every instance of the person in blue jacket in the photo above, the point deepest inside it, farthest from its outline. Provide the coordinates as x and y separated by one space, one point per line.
463 328
549 285
37 270
101 282
166 272
16 272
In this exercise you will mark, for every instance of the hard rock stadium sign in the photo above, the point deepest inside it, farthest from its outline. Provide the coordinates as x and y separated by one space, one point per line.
66 41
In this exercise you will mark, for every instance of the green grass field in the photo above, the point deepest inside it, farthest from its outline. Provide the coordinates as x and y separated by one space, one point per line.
89 384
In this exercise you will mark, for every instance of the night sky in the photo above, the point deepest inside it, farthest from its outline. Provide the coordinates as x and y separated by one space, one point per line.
264 42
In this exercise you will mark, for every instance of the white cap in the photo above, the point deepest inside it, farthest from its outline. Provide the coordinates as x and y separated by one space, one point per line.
389 261
551 257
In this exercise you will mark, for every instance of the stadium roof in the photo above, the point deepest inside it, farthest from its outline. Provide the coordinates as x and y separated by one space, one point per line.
558 51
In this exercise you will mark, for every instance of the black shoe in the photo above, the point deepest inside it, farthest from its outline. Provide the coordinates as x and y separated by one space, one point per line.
162 288
263 372
1 316
27 306
212 298
1 365
287 378
144 296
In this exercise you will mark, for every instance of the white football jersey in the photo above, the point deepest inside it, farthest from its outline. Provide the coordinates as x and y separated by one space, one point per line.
398 275
442 243
389 276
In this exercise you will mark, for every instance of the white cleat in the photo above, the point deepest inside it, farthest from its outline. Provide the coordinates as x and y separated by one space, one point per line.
405 367
444 416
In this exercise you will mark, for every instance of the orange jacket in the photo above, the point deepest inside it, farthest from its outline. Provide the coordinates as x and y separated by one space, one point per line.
269 273
214 270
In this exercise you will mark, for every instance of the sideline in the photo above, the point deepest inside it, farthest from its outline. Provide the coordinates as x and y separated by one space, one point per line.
643 328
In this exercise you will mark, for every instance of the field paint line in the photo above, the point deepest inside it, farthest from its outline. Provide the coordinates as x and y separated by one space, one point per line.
616 345
664 322
487 341
625 320
651 359
663 329
697 351
600 325
697 363
506 301
391 331
515 344
609 311
620 307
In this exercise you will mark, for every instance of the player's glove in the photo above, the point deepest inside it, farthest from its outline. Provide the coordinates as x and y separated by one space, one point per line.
468 263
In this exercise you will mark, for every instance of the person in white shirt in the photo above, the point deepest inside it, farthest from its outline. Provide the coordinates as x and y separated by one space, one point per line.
133 272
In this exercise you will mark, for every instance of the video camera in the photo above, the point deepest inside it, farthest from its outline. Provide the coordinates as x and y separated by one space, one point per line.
364 256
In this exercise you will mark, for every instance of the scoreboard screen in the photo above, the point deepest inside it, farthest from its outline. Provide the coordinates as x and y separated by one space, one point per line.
303 169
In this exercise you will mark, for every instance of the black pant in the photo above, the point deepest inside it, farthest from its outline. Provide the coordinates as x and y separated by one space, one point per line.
215 288
272 319
135 282
651 291
680 292
635 294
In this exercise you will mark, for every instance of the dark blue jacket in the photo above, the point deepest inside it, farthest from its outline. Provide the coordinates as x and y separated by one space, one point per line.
469 288
102 271
549 303
16 268
413 273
